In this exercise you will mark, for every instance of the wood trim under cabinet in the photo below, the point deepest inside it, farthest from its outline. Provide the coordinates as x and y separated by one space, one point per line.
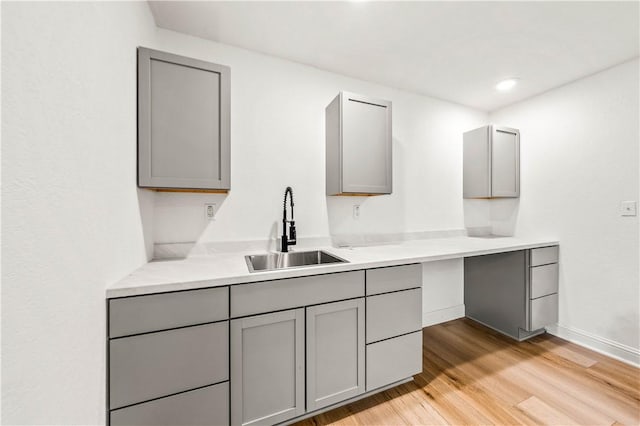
209 191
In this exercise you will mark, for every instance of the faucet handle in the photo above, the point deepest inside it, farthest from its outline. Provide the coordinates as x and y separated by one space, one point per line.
292 232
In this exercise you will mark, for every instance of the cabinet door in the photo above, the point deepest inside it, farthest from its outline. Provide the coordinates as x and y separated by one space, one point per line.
183 122
267 368
335 352
366 145
505 162
476 163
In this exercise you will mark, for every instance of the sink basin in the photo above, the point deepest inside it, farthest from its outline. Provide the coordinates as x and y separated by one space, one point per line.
297 259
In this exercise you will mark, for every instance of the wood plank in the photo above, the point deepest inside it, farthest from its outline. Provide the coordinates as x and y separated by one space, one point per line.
529 370
412 407
565 350
543 413
474 375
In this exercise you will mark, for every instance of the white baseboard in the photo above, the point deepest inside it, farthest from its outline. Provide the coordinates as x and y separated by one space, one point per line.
599 344
442 315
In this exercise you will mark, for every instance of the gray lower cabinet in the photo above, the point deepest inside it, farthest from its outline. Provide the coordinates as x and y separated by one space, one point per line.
507 293
394 359
393 314
335 352
168 359
153 365
262 353
204 406
267 368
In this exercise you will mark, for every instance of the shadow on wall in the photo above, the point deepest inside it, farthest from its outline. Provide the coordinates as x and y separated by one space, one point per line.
181 217
146 209
497 216
503 216
360 220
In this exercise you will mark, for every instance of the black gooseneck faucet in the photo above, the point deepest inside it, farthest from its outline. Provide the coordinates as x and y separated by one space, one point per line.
291 239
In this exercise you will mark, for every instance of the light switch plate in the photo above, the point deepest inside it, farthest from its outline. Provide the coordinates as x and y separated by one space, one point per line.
628 208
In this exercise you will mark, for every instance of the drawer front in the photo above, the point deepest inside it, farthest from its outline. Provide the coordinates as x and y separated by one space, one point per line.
142 314
544 255
382 280
543 311
393 360
544 280
392 314
206 406
158 364
268 296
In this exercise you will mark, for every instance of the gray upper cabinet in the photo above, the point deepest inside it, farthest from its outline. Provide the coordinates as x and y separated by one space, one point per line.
491 163
358 145
183 122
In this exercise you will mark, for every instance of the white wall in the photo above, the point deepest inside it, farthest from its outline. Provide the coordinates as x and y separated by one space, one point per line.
579 160
71 211
277 133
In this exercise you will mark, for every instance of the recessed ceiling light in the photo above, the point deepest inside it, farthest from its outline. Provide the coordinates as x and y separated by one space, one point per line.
507 84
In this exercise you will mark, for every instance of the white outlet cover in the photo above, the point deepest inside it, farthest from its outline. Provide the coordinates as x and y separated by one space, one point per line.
356 211
628 208
210 211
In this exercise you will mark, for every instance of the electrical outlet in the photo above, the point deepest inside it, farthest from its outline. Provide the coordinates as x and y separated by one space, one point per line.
628 208
356 211
210 211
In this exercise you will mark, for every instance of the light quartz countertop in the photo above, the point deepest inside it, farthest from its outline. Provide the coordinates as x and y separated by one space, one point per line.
221 269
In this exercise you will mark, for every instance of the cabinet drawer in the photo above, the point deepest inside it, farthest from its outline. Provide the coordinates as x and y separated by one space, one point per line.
392 314
544 255
393 360
394 278
543 311
268 296
544 280
206 406
158 364
141 314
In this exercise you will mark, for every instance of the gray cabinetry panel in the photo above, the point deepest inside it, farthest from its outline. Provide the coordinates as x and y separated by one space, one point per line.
544 255
394 359
544 311
476 176
491 162
267 368
392 314
204 406
505 159
394 278
267 296
544 280
157 364
495 290
505 293
358 127
335 352
183 122
141 314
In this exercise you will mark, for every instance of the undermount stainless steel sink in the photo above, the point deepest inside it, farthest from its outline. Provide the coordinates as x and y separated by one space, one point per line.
275 261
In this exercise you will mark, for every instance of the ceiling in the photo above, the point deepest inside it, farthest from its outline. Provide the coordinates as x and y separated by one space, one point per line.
455 51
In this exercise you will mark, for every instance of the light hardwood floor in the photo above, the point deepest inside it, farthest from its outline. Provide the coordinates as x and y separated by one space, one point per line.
473 375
